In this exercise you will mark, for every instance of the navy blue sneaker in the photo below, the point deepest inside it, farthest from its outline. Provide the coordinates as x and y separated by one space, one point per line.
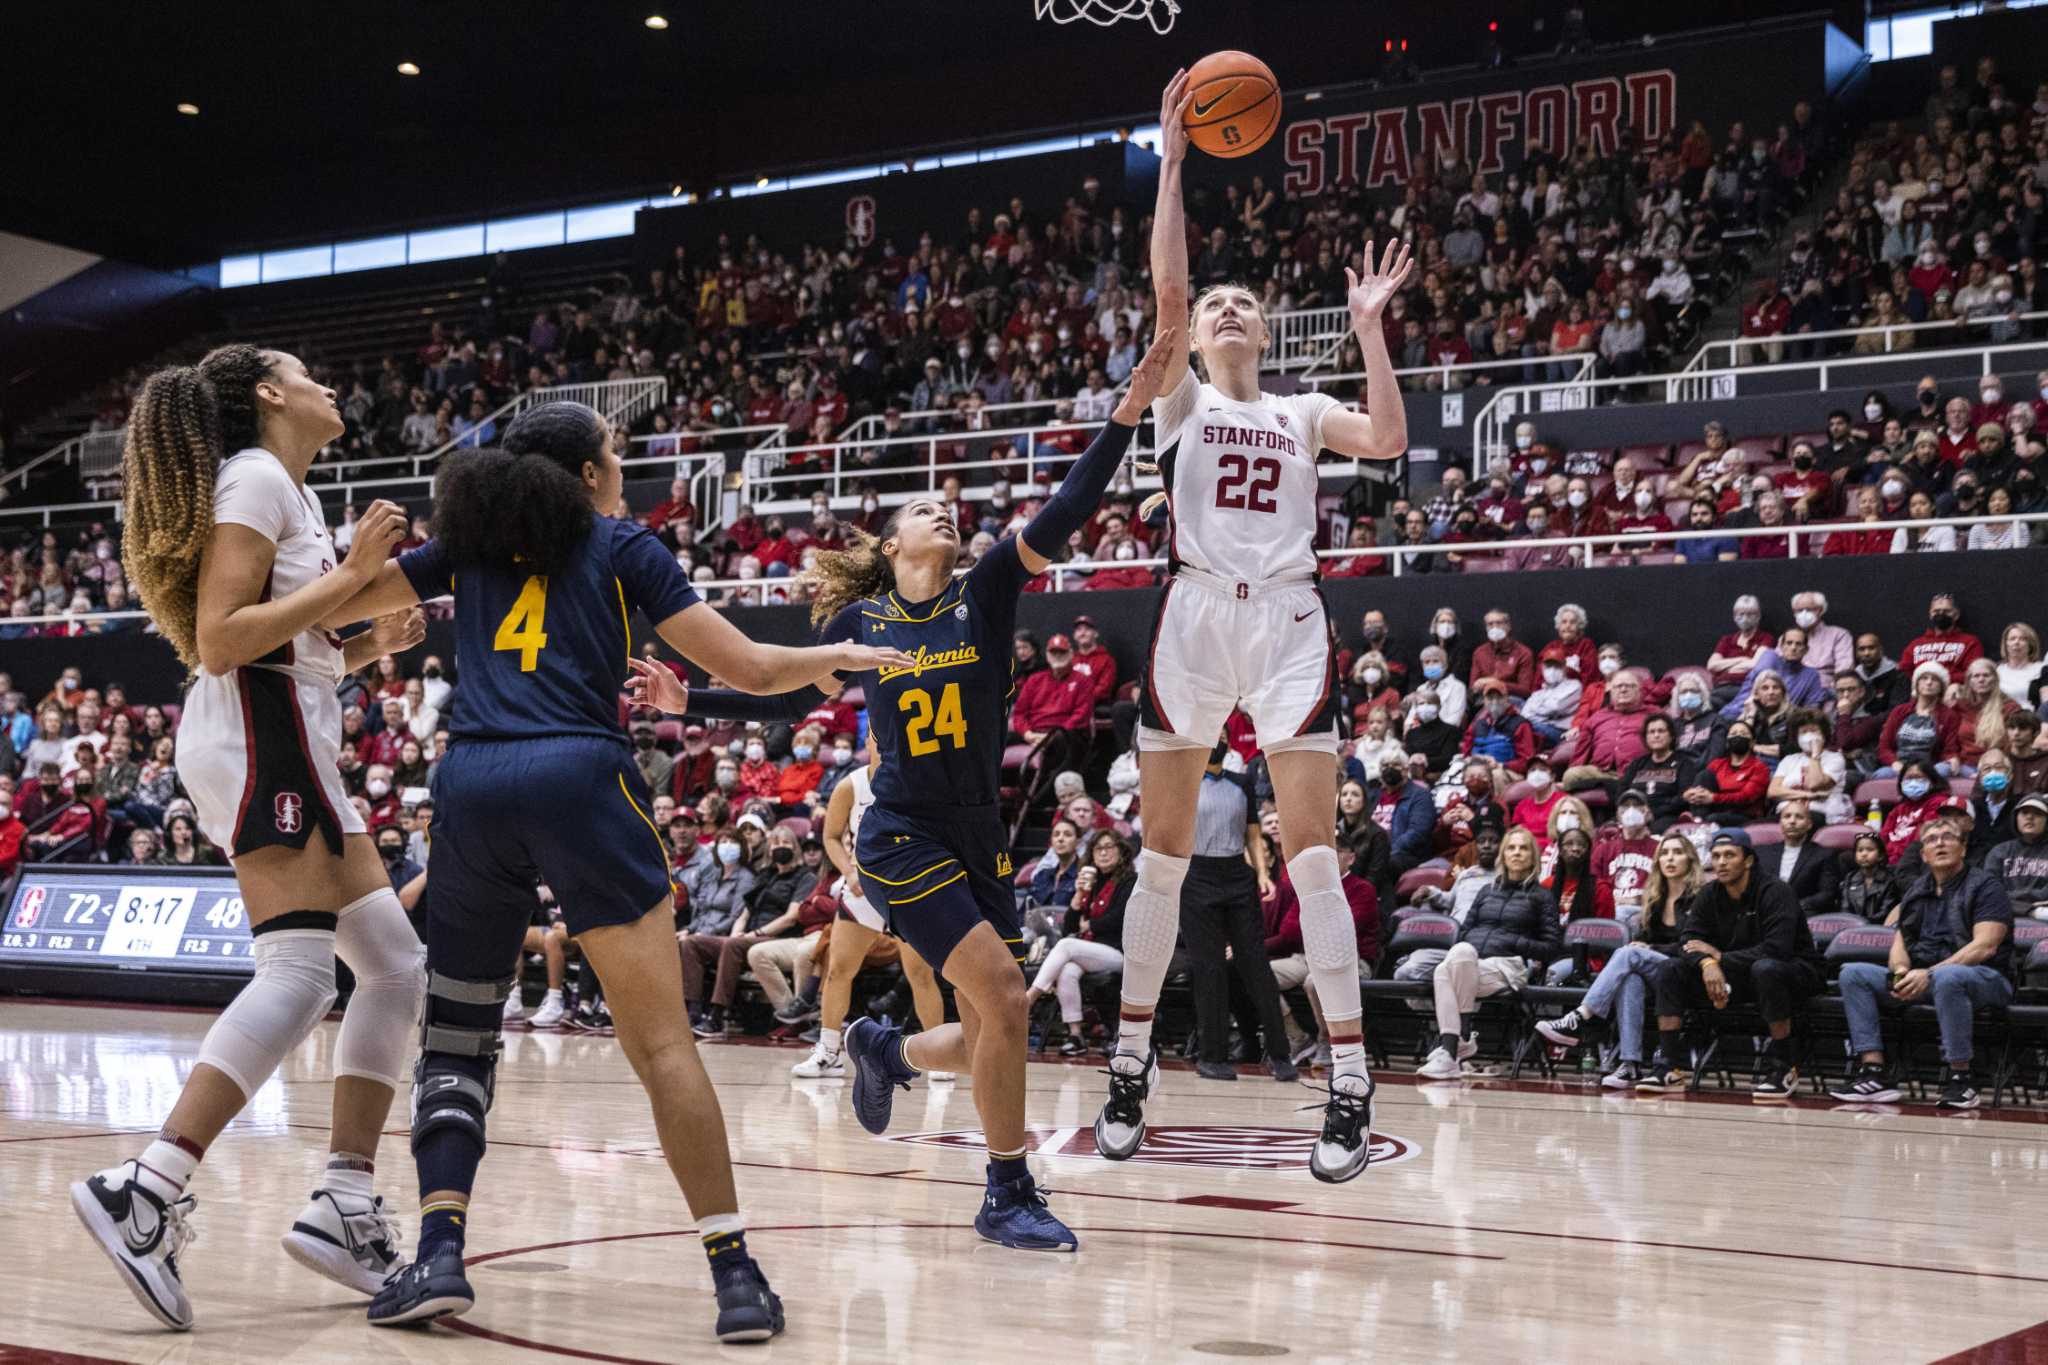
875 1051
1014 1214
431 1287
748 1309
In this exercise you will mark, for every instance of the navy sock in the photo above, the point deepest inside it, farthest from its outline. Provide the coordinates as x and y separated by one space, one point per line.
1671 1042
440 1225
1003 1169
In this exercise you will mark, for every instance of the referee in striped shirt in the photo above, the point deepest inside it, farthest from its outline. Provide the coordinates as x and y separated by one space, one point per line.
1219 906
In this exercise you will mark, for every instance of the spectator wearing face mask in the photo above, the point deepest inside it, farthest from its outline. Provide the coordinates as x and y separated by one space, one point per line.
1582 515
1404 808
1944 642
1731 789
1804 685
654 765
1452 696
839 765
1610 739
758 775
1608 662
797 789
1817 774
1502 656
1372 688
1429 736
1499 732
1533 811
1808 492
695 766
1736 653
1550 708
1922 794
1480 798
1536 525
1663 773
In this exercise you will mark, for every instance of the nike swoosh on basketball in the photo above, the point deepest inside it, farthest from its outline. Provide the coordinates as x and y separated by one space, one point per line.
1202 110
1305 615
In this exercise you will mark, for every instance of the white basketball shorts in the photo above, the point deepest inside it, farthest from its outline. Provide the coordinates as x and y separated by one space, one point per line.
260 753
1218 645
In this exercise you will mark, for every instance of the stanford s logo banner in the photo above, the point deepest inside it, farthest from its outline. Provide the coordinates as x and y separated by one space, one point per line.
31 908
860 218
1229 1146
290 811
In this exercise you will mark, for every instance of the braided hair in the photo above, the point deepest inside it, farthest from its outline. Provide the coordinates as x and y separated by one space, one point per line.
188 419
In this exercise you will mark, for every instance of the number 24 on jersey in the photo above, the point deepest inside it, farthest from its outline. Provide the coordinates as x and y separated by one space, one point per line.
946 721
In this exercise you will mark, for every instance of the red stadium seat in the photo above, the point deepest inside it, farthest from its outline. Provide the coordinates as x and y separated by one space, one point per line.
1488 564
1883 790
668 731
1765 834
1415 878
799 825
856 697
1646 459
1838 837
1965 787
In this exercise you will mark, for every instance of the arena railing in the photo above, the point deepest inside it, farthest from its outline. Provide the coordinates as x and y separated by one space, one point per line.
1732 352
1494 424
1578 368
1619 550
1305 338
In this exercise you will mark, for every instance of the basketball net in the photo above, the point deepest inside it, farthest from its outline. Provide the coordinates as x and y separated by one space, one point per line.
1158 13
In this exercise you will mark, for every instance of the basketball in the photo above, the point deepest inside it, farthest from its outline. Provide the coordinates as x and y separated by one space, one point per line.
1233 104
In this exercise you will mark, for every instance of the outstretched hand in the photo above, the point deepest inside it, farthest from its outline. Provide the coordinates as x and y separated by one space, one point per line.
1173 115
657 685
1368 290
399 631
1148 377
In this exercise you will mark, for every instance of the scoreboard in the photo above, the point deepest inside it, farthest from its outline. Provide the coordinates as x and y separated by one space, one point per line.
165 934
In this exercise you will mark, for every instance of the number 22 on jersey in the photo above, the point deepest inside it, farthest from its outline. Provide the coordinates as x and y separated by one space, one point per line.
1264 476
522 629
947 720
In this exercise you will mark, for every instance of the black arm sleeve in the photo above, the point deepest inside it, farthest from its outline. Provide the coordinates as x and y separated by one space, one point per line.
718 703
1080 492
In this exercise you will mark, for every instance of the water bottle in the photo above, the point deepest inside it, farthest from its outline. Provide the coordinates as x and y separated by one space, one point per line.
1874 817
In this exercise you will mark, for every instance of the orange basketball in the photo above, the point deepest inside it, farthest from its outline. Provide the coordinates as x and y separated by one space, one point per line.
1234 104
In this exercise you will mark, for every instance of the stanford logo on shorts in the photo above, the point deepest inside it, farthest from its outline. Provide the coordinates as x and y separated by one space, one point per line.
1230 1146
291 812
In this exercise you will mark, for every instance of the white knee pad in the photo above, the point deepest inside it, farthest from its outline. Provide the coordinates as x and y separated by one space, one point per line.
1329 939
1151 925
292 990
377 942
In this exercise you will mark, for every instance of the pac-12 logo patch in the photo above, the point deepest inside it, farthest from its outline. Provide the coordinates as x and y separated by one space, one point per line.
31 908
1235 1147
960 612
290 811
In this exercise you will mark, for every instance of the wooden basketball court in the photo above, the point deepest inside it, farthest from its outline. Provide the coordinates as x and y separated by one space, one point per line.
1499 1222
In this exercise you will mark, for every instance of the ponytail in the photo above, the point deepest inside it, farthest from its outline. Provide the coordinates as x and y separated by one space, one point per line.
504 511
843 577
187 420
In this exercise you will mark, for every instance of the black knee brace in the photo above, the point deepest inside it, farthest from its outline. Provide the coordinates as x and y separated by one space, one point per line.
455 1078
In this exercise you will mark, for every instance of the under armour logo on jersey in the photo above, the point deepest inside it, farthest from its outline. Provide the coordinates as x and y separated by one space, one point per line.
290 811
902 838
877 628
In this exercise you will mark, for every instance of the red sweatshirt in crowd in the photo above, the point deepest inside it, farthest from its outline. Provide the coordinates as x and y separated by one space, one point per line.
1283 921
1054 700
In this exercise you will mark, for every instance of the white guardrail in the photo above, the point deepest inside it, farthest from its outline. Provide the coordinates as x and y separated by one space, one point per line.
1736 350
1628 546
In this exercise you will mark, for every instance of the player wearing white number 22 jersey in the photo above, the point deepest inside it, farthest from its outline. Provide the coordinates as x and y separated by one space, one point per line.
1241 621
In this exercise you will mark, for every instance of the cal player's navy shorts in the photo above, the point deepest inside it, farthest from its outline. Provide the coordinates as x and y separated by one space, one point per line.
935 876
570 811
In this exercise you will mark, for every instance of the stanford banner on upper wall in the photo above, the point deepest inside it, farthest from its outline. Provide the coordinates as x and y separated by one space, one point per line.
1380 138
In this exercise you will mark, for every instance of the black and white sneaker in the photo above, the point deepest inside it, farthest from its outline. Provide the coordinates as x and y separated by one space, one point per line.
1775 1080
1958 1092
142 1235
347 1238
1663 1077
1624 1077
1866 1085
1345 1146
434 1286
1120 1127
1570 1030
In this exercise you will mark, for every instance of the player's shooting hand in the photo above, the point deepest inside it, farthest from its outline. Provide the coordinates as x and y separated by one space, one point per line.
379 528
654 684
1148 377
852 658
1173 113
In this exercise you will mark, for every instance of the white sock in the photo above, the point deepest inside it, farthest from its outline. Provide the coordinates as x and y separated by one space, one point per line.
554 995
722 1225
828 1041
1347 1066
348 1174
1133 1043
165 1168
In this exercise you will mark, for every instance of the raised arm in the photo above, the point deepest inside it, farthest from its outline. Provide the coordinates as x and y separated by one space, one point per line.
1081 491
704 637
1169 230
386 591
1381 431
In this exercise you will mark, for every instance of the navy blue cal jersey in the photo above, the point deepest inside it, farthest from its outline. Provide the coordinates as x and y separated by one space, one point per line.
941 725
545 654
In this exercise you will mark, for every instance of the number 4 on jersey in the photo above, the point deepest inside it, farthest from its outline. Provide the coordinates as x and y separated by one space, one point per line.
522 627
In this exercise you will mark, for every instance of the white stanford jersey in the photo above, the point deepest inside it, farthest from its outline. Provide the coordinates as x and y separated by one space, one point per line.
253 489
862 910
1240 480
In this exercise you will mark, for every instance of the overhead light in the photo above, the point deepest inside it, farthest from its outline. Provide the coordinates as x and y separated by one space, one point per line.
1313 95
762 183
674 191
408 69
188 109
656 22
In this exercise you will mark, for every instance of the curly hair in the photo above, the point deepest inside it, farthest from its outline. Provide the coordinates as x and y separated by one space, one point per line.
525 504
187 420
843 577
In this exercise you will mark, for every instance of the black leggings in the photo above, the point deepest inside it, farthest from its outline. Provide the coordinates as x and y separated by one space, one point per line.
1219 905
